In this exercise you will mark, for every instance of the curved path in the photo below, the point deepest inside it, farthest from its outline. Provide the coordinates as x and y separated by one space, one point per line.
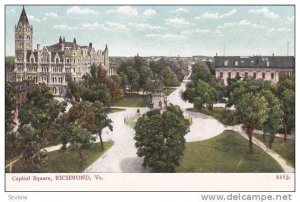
121 157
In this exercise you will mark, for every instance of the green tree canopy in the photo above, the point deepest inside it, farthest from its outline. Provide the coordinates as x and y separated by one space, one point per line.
160 138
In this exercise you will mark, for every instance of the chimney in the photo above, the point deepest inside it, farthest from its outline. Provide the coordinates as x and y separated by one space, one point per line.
90 45
64 40
60 40
38 47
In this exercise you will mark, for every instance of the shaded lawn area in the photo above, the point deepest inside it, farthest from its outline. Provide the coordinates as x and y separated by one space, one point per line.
113 110
68 162
226 153
284 149
169 90
134 100
219 113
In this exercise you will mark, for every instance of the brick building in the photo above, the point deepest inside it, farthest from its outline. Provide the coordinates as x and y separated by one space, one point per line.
259 67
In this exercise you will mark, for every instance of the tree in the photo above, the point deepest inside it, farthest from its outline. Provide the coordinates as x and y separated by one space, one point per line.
64 126
286 93
41 110
91 116
100 121
252 110
160 138
33 156
199 92
10 105
274 121
95 86
80 139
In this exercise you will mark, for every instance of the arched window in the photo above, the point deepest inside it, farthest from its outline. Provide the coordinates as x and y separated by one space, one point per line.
28 37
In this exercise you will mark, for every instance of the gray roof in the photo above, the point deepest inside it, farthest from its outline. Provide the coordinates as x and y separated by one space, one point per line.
255 61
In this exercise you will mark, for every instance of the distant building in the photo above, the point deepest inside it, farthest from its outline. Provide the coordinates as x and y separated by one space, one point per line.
21 92
52 64
268 68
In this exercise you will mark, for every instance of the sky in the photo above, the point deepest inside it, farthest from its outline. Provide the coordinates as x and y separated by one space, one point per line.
162 30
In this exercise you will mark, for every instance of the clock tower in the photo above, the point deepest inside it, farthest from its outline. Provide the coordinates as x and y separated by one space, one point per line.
23 44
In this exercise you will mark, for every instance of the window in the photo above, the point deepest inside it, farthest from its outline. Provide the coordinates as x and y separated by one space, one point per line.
237 74
246 74
221 75
73 69
226 63
272 75
236 63
254 75
229 75
263 75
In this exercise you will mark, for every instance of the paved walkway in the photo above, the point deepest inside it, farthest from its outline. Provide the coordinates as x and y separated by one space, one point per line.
121 157
281 161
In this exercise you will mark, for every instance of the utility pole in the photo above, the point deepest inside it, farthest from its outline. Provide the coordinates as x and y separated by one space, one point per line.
288 46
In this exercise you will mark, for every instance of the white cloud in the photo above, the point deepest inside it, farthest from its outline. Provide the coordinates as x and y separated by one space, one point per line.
216 15
180 10
63 26
240 23
149 12
266 12
114 26
167 36
144 26
201 31
80 11
177 21
32 18
52 14
280 29
91 26
127 10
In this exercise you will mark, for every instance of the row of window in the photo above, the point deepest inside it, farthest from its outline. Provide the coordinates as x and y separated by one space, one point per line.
263 75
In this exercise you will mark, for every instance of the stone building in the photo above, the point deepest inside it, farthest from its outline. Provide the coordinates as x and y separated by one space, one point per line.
268 68
52 64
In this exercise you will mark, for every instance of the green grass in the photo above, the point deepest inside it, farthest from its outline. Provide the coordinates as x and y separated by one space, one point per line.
219 113
68 162
134 100
284 149
226 153
169 90
113 110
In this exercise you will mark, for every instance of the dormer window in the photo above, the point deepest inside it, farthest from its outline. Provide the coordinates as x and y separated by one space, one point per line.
236 63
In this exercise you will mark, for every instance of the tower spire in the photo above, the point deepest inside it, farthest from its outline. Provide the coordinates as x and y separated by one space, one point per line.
23 17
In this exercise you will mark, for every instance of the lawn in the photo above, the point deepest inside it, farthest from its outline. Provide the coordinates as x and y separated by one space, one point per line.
68 162
169 90
284 149
113 110
219 113
226 153
134 100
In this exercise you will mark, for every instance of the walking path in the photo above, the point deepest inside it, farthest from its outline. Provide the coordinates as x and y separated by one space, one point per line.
121 157
281 161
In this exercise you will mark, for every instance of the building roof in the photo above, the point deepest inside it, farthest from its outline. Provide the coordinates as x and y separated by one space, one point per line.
255 62
23 17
